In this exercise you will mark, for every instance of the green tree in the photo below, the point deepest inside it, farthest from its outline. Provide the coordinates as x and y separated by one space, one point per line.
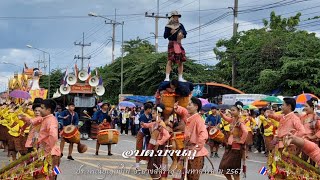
56 76
277 56
144 71
138 46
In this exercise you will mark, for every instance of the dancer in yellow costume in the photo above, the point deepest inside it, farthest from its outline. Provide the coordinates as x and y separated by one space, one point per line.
17 135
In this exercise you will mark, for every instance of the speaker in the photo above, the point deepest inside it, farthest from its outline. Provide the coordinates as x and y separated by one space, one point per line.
94 81
100 90
71 79
65 89
83 75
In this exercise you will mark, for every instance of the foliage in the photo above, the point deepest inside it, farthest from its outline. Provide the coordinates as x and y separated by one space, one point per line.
138 46
277 56
143 72
56 76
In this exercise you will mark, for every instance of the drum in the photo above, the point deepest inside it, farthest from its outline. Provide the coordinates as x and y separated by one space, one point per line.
183 101
71 134
168 99
94 130
82 148
178 139
216 135
108 136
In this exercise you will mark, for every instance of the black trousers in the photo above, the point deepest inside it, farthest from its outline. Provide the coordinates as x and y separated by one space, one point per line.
125 127
260 142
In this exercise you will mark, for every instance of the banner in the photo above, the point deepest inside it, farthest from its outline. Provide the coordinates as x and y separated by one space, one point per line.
40 93
81 88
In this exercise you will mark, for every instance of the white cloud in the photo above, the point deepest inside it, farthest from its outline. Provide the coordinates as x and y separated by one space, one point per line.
15 59
59 34
246 25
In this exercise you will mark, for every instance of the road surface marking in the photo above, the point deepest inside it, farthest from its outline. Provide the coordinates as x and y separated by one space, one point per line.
129 141
261 162
104 159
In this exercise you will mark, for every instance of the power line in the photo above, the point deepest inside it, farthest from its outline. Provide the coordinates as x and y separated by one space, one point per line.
101 50
247 11
187 4
170 4
211 22
159 6
271 7
260 19
79 39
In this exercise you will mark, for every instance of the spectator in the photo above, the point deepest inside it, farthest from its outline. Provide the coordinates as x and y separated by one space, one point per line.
136 122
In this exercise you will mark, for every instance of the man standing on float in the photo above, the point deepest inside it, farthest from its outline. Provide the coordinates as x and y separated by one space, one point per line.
175 32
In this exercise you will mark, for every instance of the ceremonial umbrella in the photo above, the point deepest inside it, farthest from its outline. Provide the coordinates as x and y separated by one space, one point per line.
207 107
303 98
20 94
127 104
204 101
272 99
249 107
260 104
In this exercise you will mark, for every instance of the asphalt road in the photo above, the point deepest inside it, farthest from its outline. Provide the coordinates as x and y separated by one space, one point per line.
88 166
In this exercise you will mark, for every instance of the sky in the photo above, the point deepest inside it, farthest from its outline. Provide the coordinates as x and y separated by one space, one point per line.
55 25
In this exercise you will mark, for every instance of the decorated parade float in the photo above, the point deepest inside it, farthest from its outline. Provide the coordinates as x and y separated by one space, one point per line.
288 164
26 85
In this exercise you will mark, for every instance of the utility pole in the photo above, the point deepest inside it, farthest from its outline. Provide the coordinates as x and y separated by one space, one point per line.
157 28
39 62
82 48
156 17
199 31
44 67
113 23
235 28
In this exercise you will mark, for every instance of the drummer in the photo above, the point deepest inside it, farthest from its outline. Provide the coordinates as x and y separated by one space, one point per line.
70 117
213 120
101 114
106 124
104 120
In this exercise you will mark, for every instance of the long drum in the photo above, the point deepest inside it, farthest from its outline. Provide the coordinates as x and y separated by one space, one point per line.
71 134
168 99
183 101
108 136
216 135
177 138
94 130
